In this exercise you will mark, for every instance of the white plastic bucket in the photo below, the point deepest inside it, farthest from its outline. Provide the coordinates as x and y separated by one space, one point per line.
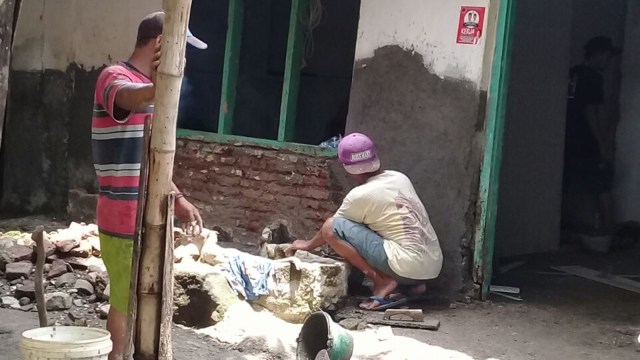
66 342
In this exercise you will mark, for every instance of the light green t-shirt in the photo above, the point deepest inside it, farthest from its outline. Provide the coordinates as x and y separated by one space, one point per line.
389 205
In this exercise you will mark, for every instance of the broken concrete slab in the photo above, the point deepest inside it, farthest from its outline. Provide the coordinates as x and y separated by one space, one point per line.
83 250
27 290
212 253
58 301
103 311
21 253
58 267
202 295
95 244
274 251
65 246
18 270
277 233
9 302
308 284
84 287
68 279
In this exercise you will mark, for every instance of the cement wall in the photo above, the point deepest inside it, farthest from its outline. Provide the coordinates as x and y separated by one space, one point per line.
47 142
531 174
417 93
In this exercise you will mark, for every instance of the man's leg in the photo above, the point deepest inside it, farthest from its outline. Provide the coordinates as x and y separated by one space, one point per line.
117 255
383 284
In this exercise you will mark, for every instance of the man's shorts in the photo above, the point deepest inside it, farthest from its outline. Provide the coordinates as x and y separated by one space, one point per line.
369 244
117 254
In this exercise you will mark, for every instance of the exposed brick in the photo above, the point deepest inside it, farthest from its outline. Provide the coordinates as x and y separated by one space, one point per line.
246 183
227 180
221 150
247 187
311 204
252 193
276 188
281 166
288 200
228 160
313 193
314 180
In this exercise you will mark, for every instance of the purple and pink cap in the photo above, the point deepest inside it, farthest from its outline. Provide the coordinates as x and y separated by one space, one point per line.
358 154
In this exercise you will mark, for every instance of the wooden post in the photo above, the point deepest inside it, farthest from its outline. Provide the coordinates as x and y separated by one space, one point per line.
151 282
39 236
231 66
293 64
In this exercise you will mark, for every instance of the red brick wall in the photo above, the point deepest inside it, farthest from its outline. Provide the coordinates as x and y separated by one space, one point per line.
246 187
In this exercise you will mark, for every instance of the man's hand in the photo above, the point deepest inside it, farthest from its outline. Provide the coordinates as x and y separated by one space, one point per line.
295 246
189 216
156 62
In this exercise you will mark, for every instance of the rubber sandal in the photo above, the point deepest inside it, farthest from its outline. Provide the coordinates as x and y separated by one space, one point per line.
385 304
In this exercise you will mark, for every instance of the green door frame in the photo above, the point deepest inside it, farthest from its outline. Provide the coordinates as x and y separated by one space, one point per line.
492 160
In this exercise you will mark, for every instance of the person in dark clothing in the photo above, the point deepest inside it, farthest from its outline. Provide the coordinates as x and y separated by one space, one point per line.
589 144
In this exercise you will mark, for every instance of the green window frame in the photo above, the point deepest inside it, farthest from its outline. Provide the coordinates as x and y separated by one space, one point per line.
290 89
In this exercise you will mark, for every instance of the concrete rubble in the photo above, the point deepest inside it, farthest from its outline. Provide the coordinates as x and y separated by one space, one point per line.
76 279
297 286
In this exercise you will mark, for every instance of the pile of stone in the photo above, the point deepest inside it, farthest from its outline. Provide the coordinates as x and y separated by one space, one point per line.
76 278
77 282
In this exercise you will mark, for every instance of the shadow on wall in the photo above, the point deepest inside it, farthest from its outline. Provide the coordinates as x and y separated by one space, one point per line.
426 127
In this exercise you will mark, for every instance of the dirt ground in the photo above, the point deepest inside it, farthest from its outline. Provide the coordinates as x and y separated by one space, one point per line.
560 317
564 318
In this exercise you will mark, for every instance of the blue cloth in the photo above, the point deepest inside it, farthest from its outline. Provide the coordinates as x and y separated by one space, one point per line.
249 275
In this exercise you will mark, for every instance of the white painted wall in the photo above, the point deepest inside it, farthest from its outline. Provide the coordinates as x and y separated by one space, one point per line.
531 176
51 34
627 186
427 27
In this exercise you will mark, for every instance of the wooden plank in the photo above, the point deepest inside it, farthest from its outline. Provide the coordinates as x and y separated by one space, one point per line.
39 236
428 324
404 315
166 313
494 138
137 240
597 276
506 296
505 289
231 66
293 64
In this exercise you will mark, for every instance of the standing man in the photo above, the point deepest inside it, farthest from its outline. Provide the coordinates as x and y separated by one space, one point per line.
123 99
382 228
590 134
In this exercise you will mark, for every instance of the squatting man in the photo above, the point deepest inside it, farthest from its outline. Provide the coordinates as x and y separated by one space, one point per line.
382 228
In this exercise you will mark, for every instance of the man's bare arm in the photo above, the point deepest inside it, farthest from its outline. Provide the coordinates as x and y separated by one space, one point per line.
135 97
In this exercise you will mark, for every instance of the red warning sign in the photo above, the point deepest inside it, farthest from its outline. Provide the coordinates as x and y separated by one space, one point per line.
471 25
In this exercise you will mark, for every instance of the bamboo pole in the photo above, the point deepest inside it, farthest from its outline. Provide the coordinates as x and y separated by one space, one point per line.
162 150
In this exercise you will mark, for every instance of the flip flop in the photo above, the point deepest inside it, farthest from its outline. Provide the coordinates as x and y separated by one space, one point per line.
385 304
